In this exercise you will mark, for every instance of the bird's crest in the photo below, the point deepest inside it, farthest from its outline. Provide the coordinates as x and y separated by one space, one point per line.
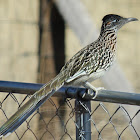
111 17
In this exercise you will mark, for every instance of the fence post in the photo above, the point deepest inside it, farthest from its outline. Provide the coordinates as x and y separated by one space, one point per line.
83 123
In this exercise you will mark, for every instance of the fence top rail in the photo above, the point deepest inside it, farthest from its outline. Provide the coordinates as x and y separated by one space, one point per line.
73 92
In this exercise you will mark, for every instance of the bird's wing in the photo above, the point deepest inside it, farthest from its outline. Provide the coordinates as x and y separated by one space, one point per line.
76 76
83 63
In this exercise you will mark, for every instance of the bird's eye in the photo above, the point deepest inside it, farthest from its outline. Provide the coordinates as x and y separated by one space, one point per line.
114 20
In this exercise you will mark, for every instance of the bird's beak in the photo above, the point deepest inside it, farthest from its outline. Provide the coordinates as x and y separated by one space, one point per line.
130 19
126 20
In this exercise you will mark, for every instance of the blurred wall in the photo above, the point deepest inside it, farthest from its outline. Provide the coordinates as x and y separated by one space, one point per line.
19 35
19 40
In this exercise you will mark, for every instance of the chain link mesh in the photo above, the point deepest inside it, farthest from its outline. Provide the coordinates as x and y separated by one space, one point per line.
57 121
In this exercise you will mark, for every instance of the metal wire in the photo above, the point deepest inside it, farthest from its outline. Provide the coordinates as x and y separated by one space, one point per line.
109 121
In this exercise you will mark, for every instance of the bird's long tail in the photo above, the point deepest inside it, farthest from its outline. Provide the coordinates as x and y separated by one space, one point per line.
37 99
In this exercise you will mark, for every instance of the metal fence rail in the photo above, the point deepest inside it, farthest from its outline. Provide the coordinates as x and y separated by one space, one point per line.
77 117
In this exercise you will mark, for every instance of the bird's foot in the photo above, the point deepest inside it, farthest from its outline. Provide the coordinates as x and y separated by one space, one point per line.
100 88
93 91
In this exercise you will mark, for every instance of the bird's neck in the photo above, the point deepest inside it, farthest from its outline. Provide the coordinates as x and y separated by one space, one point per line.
109 39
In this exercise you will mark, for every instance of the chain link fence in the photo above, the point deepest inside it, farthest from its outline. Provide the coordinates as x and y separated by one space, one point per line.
73 118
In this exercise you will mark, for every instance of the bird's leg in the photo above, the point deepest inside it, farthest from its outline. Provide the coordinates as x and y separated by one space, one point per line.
91 89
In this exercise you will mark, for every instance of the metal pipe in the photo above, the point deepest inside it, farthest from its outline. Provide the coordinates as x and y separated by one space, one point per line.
114 97
30 88
83 123
86 120
77 119
118 97
72 92
19 87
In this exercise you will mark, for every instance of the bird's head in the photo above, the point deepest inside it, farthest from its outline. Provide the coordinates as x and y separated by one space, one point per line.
115 22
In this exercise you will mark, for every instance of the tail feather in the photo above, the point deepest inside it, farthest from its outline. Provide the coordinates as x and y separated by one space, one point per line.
37 99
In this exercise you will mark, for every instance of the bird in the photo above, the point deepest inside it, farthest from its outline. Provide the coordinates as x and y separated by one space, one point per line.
87 65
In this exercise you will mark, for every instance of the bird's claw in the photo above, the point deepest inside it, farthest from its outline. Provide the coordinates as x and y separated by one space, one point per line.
94 92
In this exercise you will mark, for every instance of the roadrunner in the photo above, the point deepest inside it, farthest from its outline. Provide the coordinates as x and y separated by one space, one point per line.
85 66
